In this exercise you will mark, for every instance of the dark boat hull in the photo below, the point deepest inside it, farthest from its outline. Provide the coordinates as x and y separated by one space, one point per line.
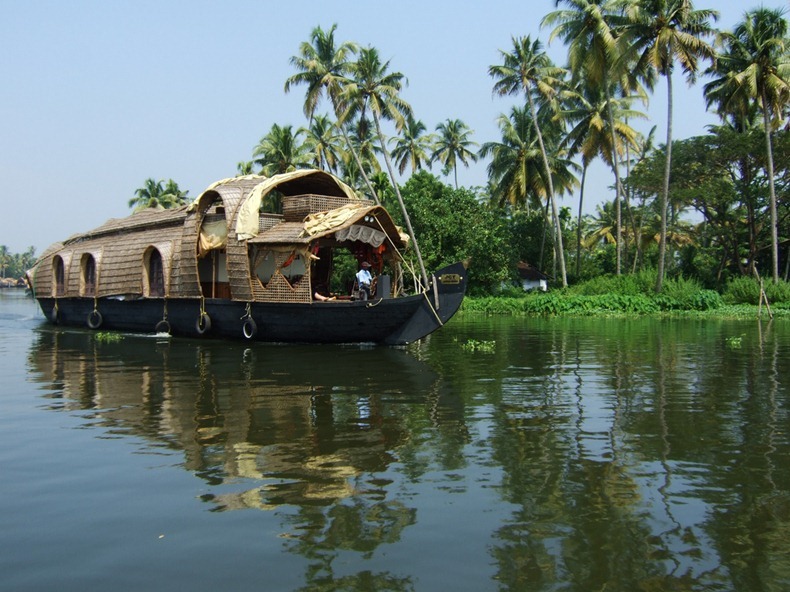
391 321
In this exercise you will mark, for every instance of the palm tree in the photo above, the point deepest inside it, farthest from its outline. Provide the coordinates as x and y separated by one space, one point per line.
586 110
322 142
157 194
602 227
755 67
528 69
453 144
280 151
588 28
324 67
413 146
245 167
516 172
659 33
4 260
373 88
173 195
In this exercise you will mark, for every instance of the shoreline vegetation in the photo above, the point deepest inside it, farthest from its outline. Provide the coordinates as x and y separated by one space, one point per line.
619 296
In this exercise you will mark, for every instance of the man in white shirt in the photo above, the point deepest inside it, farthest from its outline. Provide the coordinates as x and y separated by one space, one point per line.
364 280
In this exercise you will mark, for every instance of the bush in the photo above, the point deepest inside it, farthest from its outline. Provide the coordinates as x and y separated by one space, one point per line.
746 290
742 290
777 292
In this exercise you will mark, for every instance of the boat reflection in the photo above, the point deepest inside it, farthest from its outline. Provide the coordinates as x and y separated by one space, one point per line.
262 425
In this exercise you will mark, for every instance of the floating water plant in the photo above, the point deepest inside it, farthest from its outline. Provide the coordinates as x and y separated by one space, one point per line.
473 345
108 337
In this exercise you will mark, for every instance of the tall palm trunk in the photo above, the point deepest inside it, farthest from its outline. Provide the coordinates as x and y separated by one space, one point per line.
550 184
579 224
662 242
772 190
406 217
545 232
618 187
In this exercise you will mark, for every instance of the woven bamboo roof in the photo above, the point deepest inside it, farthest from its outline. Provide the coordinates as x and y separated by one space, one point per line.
283 233
145 219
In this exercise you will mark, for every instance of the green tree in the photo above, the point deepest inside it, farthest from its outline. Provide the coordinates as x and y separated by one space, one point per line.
5 260
245 167
413 146
516 170
658 34
374 88
454 225
158 194
528 69
755 67
280 151
589 27
323 67
585 109
453 144
323 143
366 149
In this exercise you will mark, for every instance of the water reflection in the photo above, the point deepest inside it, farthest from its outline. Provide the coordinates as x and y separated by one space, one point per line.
585 454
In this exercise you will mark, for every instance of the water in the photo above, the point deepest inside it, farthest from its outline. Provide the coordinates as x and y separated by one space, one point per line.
561 455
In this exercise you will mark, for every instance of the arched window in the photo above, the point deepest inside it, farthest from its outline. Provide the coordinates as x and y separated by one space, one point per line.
155 274
88 267
58 277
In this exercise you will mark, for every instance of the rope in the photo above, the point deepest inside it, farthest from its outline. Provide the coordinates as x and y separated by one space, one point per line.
369 305
247 312
433 310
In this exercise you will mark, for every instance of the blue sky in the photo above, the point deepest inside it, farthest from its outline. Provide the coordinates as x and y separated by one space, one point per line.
97 96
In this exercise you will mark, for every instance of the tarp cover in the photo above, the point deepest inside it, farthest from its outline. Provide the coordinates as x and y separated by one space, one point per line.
213 235
323 222
247 224
366 234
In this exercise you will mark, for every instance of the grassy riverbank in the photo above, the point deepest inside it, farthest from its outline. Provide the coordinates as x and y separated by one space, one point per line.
634 295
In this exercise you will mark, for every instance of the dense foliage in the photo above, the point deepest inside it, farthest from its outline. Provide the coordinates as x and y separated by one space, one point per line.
14 265
735 178
634 295
454 226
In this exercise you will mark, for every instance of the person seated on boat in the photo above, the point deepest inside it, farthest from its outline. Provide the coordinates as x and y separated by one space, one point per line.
320 294
364 281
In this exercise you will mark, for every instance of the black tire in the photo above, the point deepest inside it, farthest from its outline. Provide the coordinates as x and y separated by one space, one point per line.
95 319
249 328
54 316
162 327
203 324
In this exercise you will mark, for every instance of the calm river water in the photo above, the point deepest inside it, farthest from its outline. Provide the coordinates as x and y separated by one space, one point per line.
579 455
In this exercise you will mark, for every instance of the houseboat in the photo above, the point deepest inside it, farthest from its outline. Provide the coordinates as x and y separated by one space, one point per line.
253 258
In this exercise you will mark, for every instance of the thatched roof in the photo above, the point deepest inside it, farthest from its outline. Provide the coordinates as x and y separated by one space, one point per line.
284 233
146 219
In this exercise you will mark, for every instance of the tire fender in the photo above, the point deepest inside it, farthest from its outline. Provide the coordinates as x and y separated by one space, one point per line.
203 323
95 319
249 328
